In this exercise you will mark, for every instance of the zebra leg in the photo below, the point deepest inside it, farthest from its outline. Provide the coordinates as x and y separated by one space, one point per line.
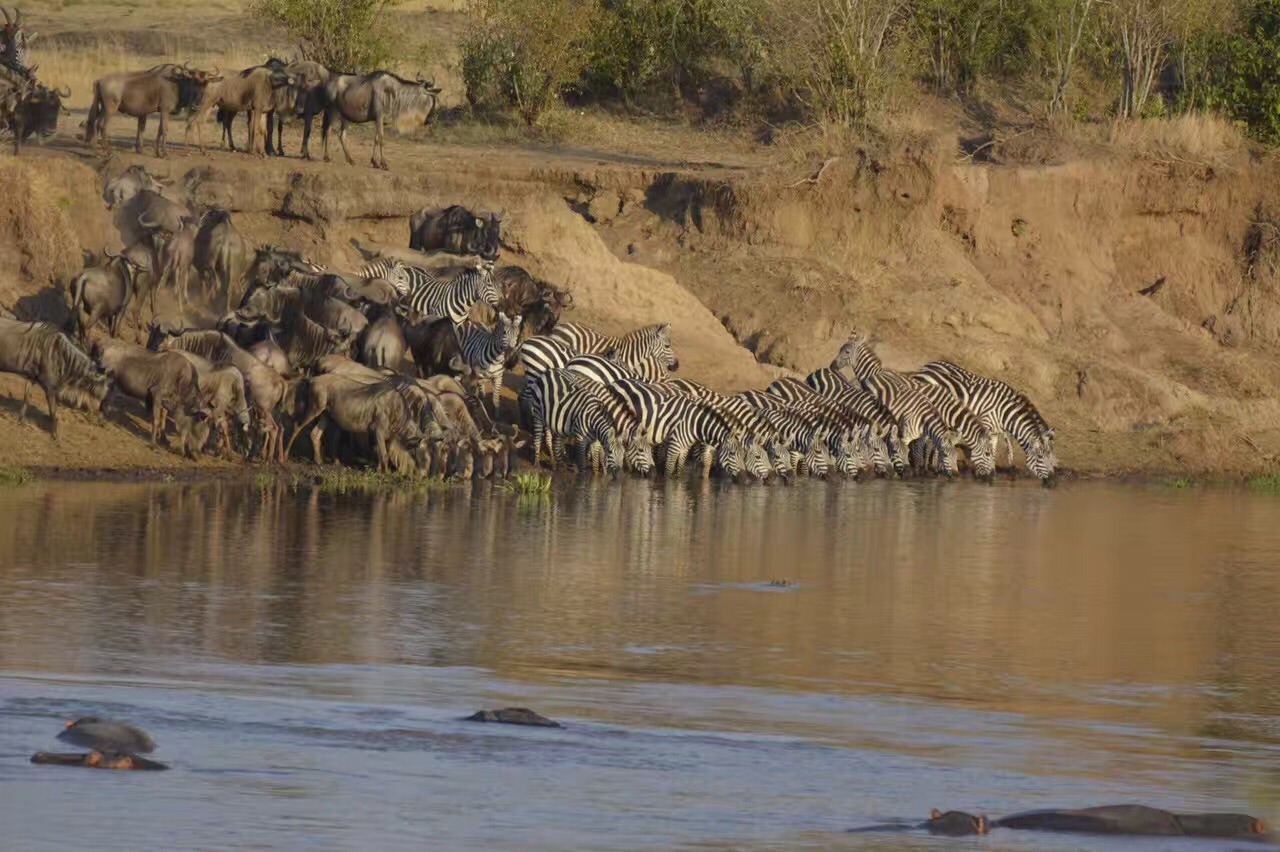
1008 448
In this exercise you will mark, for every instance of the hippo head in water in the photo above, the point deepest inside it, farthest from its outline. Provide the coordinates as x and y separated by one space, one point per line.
955 823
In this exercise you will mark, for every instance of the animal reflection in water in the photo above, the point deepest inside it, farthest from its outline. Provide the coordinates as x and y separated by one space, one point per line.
1134 820
112 745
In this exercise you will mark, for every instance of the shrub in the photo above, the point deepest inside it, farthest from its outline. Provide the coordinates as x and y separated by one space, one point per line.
346 35
522 53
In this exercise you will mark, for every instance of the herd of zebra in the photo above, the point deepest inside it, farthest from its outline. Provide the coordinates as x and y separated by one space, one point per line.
613 396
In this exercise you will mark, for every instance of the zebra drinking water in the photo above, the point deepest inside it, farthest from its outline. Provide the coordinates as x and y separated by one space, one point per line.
678 422
562 408
910 408
1001 409
486 350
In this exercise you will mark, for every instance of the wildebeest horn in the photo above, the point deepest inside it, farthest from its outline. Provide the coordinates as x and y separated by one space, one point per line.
7 19
17 16
420 78
145 223
64 92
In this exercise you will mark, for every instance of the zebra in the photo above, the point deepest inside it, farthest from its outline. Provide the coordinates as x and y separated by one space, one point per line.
15 45
827 381
430 296
803 431
742 417
648 342
1001 409
849 432
678 422
562 408
541 353
637 450
391 270
970 431
486 350
910 408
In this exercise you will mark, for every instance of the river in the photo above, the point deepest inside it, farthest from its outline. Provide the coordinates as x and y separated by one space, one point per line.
303 660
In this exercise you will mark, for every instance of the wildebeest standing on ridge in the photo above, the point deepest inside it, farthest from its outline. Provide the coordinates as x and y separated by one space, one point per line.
253 91
166 89
378 97
41 354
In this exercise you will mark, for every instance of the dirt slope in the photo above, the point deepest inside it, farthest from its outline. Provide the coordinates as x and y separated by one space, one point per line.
1029 273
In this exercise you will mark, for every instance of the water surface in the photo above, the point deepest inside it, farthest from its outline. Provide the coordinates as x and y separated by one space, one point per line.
303 660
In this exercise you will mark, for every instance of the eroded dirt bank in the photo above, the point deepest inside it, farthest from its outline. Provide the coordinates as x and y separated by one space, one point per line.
1031 274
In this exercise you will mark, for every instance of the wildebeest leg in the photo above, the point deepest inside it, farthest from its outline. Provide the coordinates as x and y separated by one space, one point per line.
379 156
317 438
306 135
50 398
162 136
26 399
325 124
137 142
380 448
342 139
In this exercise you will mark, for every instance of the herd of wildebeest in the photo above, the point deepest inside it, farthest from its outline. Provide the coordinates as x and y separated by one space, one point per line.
402 362
268 94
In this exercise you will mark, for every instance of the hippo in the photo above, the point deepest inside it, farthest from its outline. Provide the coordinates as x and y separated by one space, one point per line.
1135 820
513 716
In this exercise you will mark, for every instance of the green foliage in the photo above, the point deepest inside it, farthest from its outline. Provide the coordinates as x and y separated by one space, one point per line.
1268 483
15 476
674 45
530 484
345 35
522 53
1239 73
967 40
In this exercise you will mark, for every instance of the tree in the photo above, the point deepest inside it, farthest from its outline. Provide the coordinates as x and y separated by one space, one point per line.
834 52
1143 32
1069 21
345 35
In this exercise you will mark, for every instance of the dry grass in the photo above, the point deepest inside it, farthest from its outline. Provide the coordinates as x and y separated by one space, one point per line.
35 216
1198 138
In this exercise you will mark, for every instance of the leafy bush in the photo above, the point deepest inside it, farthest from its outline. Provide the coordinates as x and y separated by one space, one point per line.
1239 73
966 40
346 35
522 53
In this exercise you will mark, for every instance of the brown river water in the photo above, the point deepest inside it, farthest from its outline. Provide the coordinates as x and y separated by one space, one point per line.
303 660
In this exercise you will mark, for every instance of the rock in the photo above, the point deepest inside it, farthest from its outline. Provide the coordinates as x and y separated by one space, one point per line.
513 716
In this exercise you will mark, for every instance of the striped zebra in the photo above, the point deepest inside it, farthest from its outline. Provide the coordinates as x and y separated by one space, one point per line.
744 419
848 432
649 342
1001 409
910 408
14 48
970 432
393 271
486 350
637 450
430 296
541 353
804 431
564 410
679 422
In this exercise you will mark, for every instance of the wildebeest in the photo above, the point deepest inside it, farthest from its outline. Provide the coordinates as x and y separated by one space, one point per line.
166 89
35 111
375 410
251 90
43 355
176 257
538 303
101 293
456 230
435 347
304 340
382 342
222 390
165 381
283 98
378 97
264 386
310 79
221 257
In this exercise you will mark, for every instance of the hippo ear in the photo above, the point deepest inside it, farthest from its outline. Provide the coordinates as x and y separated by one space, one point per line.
984 825
934 813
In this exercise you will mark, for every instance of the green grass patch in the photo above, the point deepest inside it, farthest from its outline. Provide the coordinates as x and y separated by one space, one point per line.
15 476
1267 483
530 483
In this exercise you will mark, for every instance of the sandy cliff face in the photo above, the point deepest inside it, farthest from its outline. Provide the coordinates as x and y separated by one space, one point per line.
1030 274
